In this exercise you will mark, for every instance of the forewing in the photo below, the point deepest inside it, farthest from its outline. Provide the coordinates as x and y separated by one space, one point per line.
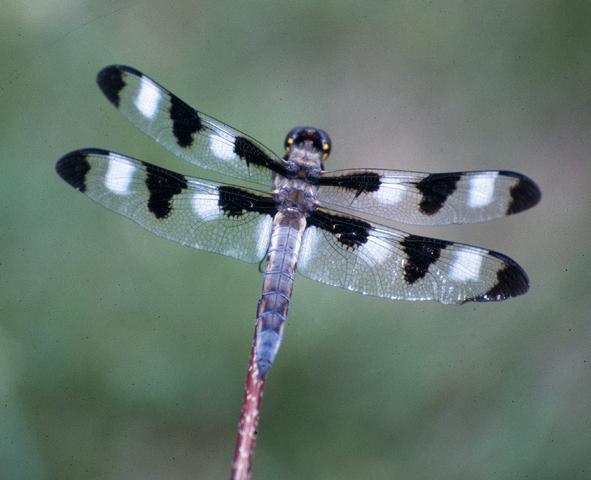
191 135
429 199
351 253
205 215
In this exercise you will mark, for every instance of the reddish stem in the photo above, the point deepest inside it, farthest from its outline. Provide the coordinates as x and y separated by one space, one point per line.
249 420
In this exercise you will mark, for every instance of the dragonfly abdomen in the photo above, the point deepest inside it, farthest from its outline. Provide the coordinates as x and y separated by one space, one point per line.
278 279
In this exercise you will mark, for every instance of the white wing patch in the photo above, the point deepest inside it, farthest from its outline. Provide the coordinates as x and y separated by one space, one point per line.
223 148
205 206
119 174
378 251
389 192
481 189
466 266
148 98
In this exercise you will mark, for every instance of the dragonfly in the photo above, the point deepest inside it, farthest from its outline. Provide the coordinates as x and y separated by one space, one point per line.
297 216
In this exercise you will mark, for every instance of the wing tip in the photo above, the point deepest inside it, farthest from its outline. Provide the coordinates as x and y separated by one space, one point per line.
512 281
123 68
525 193
110 80
73 167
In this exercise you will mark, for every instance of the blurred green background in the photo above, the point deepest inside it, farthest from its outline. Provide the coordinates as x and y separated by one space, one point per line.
122 355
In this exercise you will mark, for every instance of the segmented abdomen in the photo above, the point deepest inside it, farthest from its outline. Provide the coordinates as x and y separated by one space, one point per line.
278 279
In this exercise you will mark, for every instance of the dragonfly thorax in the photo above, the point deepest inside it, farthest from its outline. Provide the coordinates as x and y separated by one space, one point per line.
294 195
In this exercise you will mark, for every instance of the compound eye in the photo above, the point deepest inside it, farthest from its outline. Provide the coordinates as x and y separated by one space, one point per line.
292 136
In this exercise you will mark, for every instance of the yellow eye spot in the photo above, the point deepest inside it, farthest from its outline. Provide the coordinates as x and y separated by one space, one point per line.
325 147
289 141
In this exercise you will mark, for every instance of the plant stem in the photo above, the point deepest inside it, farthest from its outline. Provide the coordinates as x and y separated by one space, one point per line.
249 420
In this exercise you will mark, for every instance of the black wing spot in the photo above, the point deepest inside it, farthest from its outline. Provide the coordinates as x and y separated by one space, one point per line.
421 253
349 232
162 185
235 202
436 188
511 281
357 182
73 168
110 81
185 121
524 194
252 154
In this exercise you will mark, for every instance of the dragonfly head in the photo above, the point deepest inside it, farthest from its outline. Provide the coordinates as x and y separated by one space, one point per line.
312 141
